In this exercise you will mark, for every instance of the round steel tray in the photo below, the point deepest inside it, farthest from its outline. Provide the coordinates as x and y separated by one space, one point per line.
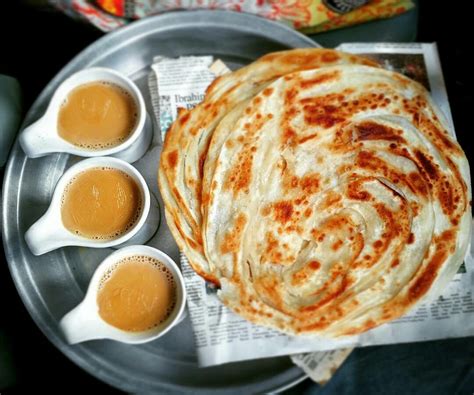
52 284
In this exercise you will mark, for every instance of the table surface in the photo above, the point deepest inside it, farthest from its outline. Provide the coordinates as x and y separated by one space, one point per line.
27 359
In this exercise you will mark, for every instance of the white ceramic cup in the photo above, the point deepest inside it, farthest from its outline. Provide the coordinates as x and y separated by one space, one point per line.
84 322
42 137
49 232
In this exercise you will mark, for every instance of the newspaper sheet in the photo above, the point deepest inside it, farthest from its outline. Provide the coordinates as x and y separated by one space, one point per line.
222 336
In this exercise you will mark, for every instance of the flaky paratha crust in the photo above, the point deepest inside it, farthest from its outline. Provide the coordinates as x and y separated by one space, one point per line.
339 200
185 148
268 185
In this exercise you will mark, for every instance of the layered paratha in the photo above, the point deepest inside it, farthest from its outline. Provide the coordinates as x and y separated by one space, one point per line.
187 141
328 200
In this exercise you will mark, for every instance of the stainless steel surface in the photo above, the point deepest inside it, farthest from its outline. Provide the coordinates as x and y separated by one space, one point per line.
52 284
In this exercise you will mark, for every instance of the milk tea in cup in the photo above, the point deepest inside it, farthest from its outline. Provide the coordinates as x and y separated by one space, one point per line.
137 294
101 203
97 115
98 202
94 112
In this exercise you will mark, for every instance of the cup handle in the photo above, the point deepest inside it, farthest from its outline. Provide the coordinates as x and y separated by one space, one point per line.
39 140
43 236
79 325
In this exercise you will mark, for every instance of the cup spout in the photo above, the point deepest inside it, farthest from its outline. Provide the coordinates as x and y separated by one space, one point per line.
44 236
39 139
80 325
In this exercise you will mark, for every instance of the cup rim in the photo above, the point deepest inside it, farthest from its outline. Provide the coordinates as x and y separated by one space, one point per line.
138 337
58 97
84 165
